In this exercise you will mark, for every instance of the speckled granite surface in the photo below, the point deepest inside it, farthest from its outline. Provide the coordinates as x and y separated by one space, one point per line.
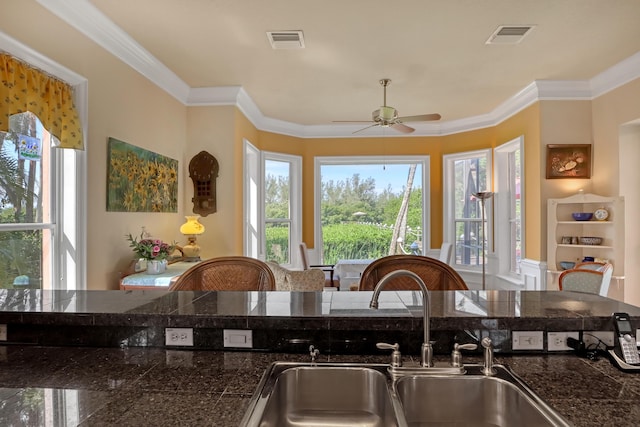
95 358
339 322
156 387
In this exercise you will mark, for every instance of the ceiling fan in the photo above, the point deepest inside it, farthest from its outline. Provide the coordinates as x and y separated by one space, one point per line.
387 116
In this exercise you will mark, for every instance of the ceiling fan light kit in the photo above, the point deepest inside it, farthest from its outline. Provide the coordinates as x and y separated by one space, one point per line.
387 116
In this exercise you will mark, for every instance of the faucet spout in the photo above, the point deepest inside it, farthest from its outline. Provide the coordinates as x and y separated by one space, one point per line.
426 351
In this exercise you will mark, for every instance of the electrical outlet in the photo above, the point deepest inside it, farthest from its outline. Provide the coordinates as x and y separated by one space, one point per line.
557 341
527 340
3 332
179 336
239 338
591 339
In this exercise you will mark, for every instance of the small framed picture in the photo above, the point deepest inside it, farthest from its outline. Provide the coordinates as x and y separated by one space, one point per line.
568 161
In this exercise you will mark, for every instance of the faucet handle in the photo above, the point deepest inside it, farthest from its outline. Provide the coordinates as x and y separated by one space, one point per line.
314 353
456 356
396 357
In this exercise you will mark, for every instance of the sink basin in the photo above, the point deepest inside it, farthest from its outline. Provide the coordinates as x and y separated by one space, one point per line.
346 395
305 395
472 401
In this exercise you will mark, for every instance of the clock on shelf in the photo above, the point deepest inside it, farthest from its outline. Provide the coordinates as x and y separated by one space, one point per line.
601 214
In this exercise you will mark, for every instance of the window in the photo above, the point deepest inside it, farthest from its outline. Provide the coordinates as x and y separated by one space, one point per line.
280 190
509 203
369 207
464 175
26 212
44 226
272 205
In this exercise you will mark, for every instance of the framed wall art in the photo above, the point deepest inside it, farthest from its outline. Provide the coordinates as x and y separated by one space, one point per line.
568 161
140 180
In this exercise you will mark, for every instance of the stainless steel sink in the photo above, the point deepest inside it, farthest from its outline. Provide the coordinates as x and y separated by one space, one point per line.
473 400
324 395
294 394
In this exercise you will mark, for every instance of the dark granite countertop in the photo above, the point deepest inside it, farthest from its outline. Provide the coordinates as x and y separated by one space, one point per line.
71 386
337 322
97 358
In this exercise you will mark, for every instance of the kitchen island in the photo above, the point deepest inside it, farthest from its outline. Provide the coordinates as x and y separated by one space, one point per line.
101 357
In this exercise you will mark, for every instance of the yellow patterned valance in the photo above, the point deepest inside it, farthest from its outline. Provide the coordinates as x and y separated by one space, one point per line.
24 88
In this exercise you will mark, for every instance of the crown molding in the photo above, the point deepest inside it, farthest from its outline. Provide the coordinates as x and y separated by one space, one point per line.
87 19
616 76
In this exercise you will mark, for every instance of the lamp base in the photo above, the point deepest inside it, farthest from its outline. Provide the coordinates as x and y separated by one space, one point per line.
191 259
191 251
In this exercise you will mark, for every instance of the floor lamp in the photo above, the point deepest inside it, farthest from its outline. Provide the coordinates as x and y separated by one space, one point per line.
483 196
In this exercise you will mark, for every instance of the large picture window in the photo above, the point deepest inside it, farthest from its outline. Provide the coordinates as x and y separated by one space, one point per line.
369 207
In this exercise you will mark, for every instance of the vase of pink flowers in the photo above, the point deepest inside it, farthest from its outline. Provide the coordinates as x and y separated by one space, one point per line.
154 251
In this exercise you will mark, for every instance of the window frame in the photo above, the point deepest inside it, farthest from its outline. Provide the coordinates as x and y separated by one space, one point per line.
295 204
448 203
254 228
505 195
68 178
319 161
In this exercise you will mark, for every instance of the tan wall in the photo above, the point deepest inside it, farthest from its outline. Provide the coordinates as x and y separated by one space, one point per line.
210 129
122 104
616 130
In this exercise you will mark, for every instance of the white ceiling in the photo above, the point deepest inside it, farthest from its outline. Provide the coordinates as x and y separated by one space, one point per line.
217 51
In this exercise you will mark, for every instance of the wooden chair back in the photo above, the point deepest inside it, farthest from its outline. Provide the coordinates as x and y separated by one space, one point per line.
437 275
233 273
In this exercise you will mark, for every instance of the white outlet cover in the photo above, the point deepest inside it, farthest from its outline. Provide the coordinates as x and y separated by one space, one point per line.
527 340
557 341
182 337
238 338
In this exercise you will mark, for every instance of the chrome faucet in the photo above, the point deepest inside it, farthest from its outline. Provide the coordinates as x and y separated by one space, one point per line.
488 368
426 351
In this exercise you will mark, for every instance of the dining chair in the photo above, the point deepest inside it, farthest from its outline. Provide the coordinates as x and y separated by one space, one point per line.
437 275
446 250
232 273
309 280
589 277
332 279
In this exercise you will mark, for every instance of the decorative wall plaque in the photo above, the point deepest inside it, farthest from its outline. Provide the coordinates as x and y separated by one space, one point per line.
203 171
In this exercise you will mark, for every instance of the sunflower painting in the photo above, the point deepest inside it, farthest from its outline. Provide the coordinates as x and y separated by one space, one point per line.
140 180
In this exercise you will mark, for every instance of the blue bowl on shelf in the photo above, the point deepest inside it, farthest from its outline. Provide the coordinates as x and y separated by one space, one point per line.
567 265
582 216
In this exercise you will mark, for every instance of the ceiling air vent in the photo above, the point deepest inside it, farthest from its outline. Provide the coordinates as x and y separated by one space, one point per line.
509 34
286 39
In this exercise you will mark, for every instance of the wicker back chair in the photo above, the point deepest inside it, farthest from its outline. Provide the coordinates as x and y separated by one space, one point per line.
233 273
437 275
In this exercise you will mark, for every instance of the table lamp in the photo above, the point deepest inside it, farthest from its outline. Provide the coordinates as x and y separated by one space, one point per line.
191 229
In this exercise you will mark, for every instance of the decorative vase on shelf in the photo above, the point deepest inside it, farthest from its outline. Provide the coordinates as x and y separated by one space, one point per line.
156 267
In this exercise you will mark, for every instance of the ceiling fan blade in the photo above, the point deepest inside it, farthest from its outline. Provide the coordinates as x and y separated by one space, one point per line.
402 128
352 121
365 128
420 118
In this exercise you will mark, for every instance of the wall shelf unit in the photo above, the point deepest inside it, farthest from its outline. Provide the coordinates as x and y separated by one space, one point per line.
561 225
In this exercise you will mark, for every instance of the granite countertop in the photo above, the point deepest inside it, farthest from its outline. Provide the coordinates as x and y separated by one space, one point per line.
70 386
96 358
339 322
